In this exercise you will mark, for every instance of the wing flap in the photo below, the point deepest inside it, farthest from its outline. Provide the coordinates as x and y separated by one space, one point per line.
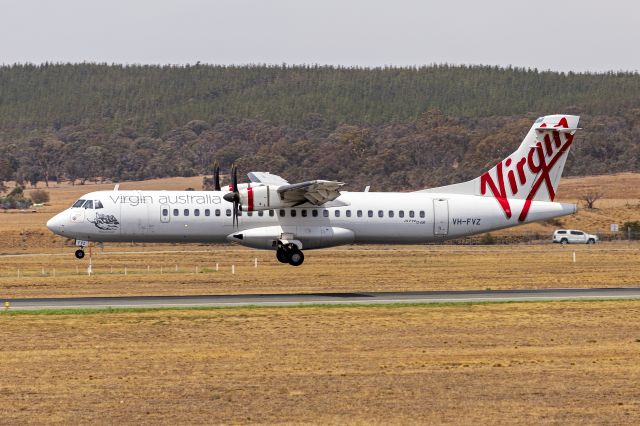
316 192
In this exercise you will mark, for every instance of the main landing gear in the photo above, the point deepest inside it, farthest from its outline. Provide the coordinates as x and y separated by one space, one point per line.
290 253
79 253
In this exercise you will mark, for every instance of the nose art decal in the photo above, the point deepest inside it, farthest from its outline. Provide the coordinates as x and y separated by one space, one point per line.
105 222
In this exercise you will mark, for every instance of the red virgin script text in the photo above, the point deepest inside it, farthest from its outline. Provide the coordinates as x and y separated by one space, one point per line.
540 160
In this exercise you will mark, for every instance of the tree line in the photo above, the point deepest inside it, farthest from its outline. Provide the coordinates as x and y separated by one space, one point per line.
392 128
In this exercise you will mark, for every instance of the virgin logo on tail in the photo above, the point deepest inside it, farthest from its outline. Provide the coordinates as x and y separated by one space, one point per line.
540 160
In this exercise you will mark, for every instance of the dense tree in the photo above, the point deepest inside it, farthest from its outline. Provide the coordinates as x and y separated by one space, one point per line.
392 128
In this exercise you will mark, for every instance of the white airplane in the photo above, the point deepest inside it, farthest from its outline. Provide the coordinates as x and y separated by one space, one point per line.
270 213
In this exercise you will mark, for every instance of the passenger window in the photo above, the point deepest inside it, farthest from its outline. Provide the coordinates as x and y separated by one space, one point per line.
228 212
325 213
411 214
260 213
348 213
186 212
293 213
380 213
303 212
337 213
281 212
217 212
207 212
165 212
562 232
196 212
359 213
271 213
314 213
370 213
249 213
78 203
576 233
98 204
401 213
88 204
176 212
422 214
390 213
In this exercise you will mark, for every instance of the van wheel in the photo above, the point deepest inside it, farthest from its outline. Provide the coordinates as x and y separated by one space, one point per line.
591 241
564 241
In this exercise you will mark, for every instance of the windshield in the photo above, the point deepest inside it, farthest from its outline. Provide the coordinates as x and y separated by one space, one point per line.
88 204
78 203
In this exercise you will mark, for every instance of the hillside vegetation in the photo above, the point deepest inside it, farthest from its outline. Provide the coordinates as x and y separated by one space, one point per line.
393 128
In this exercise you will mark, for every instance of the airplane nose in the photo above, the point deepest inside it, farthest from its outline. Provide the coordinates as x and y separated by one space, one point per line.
56 224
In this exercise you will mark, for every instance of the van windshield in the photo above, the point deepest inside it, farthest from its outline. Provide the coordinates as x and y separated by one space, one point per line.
78 203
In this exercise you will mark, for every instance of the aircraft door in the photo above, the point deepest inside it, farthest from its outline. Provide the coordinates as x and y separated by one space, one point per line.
440 217
165 213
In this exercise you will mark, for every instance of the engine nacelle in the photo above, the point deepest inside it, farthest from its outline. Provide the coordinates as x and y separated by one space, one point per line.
263 197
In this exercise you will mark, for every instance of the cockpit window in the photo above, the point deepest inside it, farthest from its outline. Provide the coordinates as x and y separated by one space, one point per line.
88 204
98 204
78 203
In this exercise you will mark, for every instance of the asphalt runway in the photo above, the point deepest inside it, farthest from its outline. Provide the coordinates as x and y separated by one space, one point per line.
323 298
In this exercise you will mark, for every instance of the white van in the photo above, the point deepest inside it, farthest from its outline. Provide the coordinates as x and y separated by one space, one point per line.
566 236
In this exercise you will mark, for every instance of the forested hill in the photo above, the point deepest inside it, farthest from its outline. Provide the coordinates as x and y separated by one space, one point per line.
391 127
171 96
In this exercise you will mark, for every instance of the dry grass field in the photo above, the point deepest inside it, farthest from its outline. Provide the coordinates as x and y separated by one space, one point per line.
151 270
520 363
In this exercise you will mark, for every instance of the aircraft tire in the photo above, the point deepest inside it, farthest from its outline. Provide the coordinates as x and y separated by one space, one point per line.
282 255
296 258
79 253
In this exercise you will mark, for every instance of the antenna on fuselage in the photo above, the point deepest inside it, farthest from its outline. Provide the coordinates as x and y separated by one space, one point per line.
115 188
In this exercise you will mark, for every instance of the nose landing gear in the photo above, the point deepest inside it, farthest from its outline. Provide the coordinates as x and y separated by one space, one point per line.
79 253
289 253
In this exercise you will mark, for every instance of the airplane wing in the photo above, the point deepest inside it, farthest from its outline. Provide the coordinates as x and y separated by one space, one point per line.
316 192
266 178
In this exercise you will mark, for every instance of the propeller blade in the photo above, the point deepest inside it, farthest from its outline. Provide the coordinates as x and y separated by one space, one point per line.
236 195
216 176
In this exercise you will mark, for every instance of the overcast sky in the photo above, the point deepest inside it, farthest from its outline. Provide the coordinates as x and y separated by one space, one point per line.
563 35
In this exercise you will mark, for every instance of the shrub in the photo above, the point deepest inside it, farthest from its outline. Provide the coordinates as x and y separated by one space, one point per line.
487 239
634 226
39 196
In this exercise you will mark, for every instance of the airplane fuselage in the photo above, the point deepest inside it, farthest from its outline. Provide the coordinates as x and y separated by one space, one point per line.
358 217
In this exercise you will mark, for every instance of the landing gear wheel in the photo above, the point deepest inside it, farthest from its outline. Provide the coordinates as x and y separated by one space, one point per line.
296 258
79 253
282 255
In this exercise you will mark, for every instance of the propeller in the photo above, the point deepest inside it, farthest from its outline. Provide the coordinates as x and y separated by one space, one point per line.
216 176
234 195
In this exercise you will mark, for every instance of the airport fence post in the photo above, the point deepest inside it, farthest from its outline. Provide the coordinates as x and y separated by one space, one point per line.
161 270
574 257
233 269
54 272
196 269
125 270
216 267
43 270
255 262
176 267
77 271
148 269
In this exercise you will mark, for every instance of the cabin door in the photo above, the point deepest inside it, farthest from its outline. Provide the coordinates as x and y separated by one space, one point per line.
440 217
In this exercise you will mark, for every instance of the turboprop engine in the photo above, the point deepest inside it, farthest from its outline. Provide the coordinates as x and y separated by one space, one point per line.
261 197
